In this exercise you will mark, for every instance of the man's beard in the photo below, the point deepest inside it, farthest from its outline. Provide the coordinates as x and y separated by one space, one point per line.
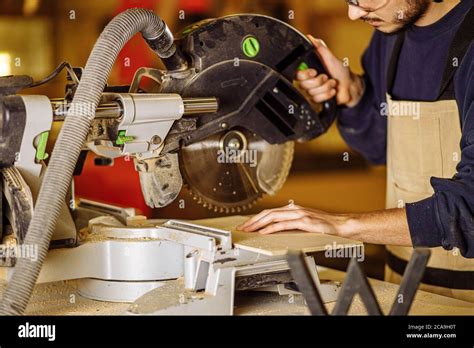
414 11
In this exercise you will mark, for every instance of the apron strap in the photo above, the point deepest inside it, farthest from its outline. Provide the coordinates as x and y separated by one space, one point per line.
458 50
461 280
460 45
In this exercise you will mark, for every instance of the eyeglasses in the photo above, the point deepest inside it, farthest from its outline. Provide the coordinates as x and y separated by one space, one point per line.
367 8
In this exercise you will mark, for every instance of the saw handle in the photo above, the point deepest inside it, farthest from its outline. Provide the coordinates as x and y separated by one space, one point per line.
328 112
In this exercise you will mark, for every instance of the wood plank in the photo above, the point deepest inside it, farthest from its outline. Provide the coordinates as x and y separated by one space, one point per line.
280 243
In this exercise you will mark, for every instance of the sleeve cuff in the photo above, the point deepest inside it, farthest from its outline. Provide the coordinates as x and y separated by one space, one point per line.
422 218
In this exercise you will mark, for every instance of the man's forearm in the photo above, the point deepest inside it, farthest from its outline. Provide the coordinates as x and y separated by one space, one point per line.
389 227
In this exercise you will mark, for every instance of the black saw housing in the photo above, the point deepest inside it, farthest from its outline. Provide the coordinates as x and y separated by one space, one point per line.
249 62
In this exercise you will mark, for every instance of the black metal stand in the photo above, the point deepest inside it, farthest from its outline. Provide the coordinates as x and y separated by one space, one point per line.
357 283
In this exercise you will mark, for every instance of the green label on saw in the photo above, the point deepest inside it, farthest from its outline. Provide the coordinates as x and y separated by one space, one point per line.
251 47
303 66
41 154
122 138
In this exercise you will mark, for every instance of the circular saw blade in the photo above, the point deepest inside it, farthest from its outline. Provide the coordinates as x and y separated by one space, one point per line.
231 171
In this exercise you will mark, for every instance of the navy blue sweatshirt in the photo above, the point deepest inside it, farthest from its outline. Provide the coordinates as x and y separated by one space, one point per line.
446 218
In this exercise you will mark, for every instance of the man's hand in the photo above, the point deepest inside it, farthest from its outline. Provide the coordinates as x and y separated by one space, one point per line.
295 218
388 227
346 86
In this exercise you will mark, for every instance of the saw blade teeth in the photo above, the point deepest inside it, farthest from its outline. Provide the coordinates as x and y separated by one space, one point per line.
225 210
193 162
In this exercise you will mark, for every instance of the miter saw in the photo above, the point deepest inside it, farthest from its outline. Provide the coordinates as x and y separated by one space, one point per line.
222 120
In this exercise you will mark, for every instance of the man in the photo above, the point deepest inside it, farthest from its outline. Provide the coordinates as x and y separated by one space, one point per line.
413 110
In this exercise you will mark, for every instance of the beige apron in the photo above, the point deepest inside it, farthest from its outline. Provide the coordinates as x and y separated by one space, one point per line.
424 142
420 147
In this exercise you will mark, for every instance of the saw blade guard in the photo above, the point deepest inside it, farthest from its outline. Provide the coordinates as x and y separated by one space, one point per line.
249 62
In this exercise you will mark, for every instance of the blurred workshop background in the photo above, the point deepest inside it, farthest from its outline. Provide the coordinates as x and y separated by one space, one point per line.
37 35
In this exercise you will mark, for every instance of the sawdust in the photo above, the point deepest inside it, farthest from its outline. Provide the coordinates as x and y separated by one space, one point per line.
172 294
62 298
425 303
269 304
87 237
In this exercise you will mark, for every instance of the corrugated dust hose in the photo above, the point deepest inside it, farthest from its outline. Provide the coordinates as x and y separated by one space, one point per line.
71 139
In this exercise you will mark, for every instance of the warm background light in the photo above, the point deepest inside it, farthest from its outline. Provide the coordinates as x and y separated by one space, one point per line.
5 64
